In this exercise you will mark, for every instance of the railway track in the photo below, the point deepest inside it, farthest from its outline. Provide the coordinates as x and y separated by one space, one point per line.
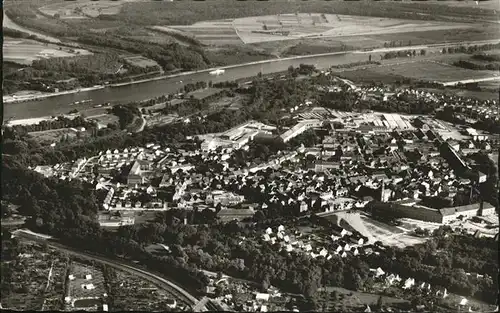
154 278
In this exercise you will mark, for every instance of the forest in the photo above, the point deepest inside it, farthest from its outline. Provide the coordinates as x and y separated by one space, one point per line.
105 63
169 57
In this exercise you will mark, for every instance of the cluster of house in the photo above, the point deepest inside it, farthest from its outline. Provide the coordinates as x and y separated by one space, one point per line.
467 109
472 110
374 156
252 299
64 171
342 243
411 284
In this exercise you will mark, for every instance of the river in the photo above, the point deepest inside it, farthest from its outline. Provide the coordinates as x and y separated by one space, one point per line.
150 89
137 92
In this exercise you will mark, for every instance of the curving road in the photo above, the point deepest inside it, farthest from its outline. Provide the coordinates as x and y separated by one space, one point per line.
120 265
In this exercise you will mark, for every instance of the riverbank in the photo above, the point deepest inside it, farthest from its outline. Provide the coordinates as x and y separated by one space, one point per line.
11 99
39 96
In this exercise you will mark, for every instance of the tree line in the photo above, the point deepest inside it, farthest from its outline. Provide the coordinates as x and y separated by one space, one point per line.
402 53
477 66
60 122
470 49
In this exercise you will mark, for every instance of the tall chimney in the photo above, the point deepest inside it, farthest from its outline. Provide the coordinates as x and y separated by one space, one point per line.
382 192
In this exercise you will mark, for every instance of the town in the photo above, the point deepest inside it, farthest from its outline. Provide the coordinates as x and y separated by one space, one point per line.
250 156
334 184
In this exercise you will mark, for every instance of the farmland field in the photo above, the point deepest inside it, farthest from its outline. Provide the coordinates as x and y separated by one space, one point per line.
433 71
209 33
259 29
83 9
327 25
190 12
424 70
25 51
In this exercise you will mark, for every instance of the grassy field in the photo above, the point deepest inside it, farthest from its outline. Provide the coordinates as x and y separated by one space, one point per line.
352 299
424 71
203 93
50 136
105 119
481 5
140 61
25 51
433 71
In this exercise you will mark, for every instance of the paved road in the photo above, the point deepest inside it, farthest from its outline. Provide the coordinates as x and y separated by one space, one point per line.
153 278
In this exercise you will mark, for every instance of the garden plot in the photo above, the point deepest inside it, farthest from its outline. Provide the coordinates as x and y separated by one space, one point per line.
25 51
337 298
86 288
36 279
131 293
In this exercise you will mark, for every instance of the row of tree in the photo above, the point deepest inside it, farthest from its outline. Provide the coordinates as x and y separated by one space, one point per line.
18 131
402 53
477 66
470 49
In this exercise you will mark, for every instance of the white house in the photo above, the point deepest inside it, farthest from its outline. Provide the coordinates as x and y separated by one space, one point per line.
379 272
88 286
262 296
409 283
